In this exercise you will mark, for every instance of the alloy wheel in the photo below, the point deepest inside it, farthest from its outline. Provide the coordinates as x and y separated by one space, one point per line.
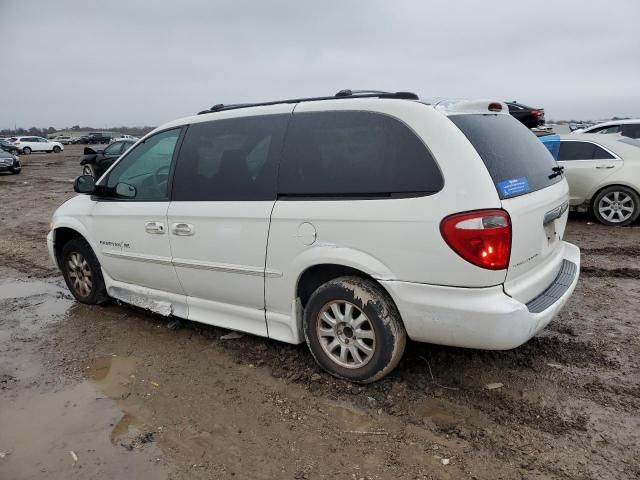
346 334
80 274
616 207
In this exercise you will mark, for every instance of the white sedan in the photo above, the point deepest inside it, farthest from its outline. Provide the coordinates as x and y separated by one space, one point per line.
27 145
603 172
626 128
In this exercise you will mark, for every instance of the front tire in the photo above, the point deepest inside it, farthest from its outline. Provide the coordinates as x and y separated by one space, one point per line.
616 206
82 272
353 329
56 149
89 169
26 151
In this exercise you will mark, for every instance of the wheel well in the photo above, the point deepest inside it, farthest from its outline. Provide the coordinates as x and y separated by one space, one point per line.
317 275
61 236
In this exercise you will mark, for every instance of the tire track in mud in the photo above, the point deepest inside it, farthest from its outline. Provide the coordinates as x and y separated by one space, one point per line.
622 272
631 251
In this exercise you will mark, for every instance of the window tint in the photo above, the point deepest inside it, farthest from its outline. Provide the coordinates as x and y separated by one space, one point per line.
582 151
510 152
631 130
354 153
600 153
113 149
230 159
146 167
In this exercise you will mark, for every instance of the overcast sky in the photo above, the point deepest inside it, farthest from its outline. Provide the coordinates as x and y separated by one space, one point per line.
144 63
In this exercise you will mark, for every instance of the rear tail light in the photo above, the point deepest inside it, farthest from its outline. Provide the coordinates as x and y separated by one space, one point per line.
495 107
482 238
537 113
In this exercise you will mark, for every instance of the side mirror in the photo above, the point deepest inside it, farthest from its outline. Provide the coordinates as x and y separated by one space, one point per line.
125 190
85 184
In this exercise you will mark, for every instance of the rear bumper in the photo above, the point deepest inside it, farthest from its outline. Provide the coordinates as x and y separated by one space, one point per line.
484 318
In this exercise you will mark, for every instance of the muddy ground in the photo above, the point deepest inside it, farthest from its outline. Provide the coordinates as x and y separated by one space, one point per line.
111 392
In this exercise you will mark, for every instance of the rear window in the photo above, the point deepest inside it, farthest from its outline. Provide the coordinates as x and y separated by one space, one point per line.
355 154
517 161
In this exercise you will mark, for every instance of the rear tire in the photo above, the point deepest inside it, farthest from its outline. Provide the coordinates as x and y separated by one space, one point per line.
56 149
353 329
616 206
26 151
82 272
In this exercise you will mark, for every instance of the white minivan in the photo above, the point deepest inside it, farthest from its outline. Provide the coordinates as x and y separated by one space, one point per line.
351 222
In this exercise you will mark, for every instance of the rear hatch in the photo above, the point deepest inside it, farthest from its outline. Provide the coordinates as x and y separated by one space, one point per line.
531 191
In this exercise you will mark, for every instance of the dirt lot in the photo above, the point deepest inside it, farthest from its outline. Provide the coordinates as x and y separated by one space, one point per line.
112 392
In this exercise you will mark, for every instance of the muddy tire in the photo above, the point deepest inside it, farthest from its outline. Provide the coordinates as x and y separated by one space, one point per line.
353 329
56 149
616 206
82 273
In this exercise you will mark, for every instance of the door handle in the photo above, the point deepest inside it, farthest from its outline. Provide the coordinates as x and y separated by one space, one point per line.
154 227
605 166
184 229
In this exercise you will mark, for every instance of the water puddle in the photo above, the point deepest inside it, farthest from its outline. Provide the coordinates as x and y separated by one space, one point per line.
440 412
49 429
350 417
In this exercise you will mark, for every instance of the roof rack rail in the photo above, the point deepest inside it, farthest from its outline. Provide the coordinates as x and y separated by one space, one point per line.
346 93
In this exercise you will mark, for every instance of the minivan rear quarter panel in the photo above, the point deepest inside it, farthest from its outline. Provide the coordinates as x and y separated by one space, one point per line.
391 238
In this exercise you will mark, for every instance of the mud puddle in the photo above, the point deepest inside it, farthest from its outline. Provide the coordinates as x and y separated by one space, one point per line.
51 427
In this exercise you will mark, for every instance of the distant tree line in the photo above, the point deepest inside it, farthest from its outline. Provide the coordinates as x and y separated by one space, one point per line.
43 132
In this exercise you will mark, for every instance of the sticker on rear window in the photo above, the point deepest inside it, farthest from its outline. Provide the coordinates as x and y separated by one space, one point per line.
513 187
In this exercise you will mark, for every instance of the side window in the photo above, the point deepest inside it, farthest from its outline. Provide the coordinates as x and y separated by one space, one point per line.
349 153
600 153
146 168
610 129
230 159
113 149
631 130
575 151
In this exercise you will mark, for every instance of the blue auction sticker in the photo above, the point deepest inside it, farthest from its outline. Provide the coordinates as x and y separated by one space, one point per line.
515 186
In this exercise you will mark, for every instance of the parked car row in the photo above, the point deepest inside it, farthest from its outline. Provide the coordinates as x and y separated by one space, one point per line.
30 144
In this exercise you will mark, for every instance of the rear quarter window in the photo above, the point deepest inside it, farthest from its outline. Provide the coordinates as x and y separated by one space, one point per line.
513 155
355 154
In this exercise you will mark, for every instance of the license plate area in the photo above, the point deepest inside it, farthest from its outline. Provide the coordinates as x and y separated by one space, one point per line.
551 233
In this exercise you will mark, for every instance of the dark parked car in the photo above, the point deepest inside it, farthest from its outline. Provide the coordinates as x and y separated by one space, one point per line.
528 116
95 138
9 162
96 162
8 147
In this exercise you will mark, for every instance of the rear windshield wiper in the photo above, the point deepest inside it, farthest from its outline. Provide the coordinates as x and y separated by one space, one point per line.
559 170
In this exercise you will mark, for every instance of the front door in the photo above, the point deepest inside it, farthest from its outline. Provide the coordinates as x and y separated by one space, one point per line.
130 223
223 193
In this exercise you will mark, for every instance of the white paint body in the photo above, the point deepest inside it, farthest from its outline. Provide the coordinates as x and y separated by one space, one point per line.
237 264
36 144
588 176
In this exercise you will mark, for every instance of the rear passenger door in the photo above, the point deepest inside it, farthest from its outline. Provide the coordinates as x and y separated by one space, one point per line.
347 191
586 166
224 188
